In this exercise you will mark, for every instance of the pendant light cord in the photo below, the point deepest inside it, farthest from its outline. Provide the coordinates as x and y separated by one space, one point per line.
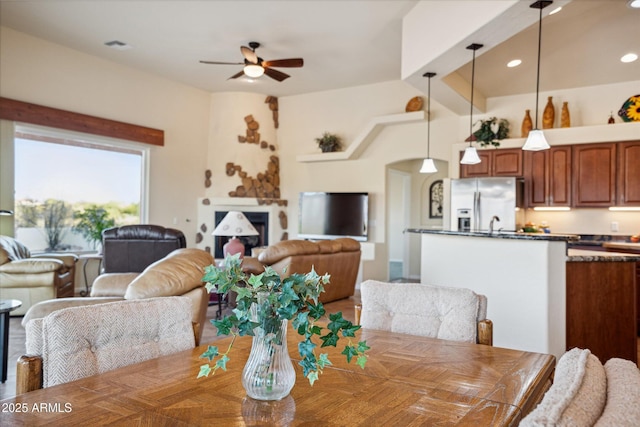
429 118
473 77
538 76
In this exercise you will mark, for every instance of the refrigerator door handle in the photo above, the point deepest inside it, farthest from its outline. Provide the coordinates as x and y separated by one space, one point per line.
478 217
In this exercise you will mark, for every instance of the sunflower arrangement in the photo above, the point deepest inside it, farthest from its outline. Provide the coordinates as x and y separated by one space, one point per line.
630 110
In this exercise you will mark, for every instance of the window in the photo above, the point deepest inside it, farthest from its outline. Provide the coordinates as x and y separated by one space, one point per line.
69 186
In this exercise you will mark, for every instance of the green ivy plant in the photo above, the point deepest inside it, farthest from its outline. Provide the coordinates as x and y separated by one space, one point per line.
293 298
492 131
329 142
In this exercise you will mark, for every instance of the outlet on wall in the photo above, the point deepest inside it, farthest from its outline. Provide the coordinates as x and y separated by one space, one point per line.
614 226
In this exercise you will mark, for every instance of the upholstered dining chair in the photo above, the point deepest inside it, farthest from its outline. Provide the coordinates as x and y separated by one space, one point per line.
456 314
586 393
77 342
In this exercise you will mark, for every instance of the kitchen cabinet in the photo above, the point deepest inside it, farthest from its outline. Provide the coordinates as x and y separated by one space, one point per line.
548 177
594 175
500 162
601 308
628 171
631 249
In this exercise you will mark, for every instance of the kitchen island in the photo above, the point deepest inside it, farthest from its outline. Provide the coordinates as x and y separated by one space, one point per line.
524 277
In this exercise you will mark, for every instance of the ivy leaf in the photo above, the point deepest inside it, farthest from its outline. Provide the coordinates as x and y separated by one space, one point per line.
301 322
349 351
287 311
243 293
331 339
205 370
316 311
350 330
224 326
337 322
305 348
316 330
222 362
361 361
362 347
212 351
256 281
308 365
323 360
313 377
246 327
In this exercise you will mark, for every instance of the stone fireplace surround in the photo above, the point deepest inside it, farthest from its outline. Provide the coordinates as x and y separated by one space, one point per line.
207 213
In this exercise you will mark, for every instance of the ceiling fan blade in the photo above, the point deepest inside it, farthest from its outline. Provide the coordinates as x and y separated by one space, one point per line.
275 74
249 54
236 75
221 63
291 63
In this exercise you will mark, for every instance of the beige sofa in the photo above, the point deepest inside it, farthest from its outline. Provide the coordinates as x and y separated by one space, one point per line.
33 278
178 274
340 258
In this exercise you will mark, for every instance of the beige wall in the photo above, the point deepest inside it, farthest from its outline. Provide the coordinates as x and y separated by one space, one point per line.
34 70
201 133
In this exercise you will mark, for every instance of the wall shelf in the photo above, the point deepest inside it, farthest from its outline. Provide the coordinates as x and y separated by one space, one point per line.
366 136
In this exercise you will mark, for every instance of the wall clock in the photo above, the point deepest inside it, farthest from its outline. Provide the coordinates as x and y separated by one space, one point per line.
435 199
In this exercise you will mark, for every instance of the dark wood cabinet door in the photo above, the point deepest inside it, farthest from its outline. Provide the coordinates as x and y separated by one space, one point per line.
548 177
594 175
482 169
507 162
559 176
536 169
629 173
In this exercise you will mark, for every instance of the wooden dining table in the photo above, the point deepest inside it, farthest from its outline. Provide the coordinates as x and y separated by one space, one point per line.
407 381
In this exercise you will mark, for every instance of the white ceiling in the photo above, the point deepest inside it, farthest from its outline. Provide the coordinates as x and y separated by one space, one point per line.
344 43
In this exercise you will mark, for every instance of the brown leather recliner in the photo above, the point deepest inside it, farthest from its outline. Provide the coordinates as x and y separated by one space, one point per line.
131 248
340 258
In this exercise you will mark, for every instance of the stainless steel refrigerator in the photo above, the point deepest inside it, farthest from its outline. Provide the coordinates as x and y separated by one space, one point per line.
475 201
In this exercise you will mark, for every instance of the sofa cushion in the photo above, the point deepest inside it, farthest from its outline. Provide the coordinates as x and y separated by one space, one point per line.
577 396
419 309
281 250
623 394
11 250
176 274
347 244
32 265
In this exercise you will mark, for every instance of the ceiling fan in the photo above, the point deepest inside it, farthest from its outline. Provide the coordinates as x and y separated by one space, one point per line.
254 66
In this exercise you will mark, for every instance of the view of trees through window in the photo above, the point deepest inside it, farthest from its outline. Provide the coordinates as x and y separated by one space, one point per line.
67 191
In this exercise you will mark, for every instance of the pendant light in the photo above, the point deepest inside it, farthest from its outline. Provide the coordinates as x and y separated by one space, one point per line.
428 166
536 140
470 153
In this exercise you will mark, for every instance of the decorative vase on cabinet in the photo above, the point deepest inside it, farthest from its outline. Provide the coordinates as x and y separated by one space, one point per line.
549 114
565 118
527 125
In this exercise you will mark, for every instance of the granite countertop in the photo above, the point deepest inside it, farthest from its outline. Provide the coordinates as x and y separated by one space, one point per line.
622 245
499 234
581 255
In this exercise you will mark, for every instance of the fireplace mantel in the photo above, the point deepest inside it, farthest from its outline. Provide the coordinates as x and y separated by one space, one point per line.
208 206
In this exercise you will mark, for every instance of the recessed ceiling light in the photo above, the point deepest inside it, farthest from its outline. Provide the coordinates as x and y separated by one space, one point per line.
556 10
629 57
634 4
118 45
514 63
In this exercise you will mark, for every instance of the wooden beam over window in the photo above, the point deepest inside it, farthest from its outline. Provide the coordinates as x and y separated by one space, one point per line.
25 112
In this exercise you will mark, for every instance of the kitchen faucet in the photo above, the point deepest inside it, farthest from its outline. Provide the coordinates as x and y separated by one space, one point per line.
495 218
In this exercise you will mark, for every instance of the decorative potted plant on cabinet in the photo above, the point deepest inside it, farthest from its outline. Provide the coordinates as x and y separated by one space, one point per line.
264 305
329 142
492 131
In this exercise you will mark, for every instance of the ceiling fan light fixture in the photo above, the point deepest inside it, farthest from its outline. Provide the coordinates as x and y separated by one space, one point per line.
635 4
254 71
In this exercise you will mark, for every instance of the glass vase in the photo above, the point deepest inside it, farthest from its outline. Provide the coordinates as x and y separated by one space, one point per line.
269 373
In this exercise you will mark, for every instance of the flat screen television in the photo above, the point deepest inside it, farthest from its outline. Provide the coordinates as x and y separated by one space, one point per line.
332 215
